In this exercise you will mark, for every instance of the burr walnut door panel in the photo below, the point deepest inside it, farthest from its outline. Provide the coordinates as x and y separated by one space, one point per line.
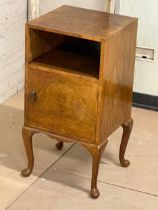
63 103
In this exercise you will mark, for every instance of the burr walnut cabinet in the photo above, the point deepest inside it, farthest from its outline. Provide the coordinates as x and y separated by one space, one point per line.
79 80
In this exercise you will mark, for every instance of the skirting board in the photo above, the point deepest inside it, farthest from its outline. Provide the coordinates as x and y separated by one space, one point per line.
145 101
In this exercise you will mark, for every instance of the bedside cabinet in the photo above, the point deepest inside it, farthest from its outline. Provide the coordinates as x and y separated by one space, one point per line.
79 80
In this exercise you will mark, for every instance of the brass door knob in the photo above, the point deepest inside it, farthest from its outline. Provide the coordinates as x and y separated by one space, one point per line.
33 95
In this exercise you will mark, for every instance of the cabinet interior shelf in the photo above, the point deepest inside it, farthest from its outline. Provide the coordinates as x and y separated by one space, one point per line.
76 55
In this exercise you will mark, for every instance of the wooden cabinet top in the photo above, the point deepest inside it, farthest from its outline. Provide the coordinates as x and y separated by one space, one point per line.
79 22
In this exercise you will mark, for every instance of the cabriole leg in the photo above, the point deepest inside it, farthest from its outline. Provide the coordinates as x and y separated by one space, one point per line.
127 128
96 153
27 138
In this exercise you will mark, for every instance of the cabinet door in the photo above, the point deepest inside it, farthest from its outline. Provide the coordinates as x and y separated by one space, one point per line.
63 103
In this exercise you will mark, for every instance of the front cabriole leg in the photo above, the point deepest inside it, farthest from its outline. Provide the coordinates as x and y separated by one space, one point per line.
96 153
127 128
27 138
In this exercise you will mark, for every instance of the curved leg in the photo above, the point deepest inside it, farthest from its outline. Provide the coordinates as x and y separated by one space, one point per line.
127 128
96 153
59 145
95 168
27 138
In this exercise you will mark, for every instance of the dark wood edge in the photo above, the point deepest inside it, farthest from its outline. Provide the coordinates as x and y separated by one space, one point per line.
56 31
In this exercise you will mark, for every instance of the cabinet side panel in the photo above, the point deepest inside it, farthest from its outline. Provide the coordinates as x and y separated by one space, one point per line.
118 71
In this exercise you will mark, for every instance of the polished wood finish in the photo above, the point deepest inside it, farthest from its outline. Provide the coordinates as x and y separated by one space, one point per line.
117 76
79 80
83 23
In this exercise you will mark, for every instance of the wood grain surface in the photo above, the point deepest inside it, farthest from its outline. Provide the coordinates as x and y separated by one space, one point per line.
117 76
64 103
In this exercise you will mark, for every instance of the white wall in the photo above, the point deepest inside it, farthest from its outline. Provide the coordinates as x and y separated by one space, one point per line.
47 5
12 20
146 73
90 4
